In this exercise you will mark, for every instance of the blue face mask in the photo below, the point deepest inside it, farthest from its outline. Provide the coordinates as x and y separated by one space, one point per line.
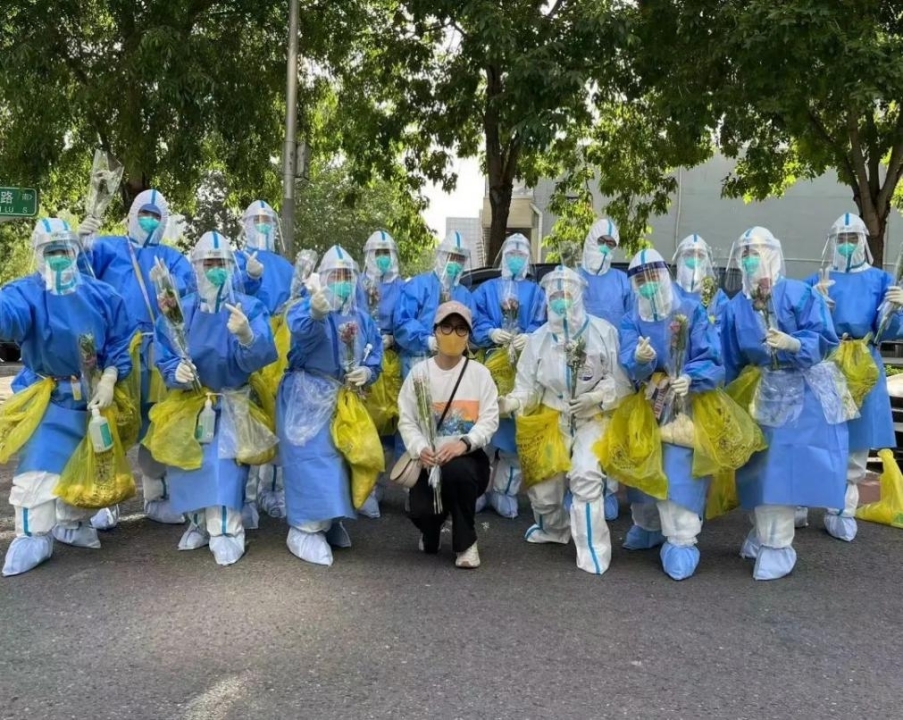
148 224
217 276
649 290
516 264
846 250
342 289
691 263
453 269
751 263
560 305
384 263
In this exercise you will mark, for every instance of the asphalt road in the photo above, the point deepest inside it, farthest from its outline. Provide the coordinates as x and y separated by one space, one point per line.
140 630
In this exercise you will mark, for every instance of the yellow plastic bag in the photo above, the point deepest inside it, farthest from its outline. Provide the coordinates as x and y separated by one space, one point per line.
725 435
128 416
262 395
93 481
889 509
254 435
631 450
722 494
500 367
171 435
355 437
743 389
132 384
382 397
540 445
282 337
858 367
20 416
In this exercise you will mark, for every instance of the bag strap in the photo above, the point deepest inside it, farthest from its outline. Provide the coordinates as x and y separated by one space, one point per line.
140 278
452 396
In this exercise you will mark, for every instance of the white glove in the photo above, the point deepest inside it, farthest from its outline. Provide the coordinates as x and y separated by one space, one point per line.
186 373
254 266
433 345
238 324
319 305
388 341
644 352
500 337
89 226
586 405
358 376
777 340
894 295
681 386
508 405
520 341
103 395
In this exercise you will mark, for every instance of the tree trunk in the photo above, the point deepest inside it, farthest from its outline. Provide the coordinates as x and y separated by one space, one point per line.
500 204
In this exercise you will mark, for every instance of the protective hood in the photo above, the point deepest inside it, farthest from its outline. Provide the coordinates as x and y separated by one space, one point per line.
758 256
56 249
847 248
214 268
380 271
564 289
153 201
597 260
515 257
651 284
452 256
338 278
260 228
693 263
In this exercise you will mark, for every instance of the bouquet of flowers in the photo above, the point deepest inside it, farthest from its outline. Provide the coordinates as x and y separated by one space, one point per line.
106 173
709 290
348 333
371 288
171 310
427 421
679 332
762 304
510 310
87 361
575 354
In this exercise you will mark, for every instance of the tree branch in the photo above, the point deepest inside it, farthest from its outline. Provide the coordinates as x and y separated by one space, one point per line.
874 156
894 167
838 148
866 201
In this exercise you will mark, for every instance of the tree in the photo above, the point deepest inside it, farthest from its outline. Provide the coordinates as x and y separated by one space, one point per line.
790 89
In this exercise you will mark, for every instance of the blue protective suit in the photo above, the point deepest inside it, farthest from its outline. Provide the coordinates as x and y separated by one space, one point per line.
389 294
317 484
274 286
806 459
48 327
222 364
857 297
607 296
414 314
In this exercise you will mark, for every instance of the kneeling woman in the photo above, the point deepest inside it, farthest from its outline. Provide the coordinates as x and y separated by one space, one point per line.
228 338
448 413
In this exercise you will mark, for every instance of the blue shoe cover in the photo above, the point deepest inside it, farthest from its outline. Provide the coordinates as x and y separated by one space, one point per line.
842 528
774 563
370 508
639 539
611 507
504 505
679 561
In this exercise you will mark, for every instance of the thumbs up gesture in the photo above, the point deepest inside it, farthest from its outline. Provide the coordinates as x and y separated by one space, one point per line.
238 324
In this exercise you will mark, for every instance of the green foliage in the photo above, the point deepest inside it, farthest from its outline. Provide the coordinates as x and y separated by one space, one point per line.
18 259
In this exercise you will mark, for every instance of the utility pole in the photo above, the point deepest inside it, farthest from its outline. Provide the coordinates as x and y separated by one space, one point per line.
290 147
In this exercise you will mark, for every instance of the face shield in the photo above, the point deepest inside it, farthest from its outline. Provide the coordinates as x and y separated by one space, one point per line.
338 278
847 248
214 269
564 290
651 284
380 258
600 243
694 264
305 264
260 228
758 257
148 218
56 248
451 257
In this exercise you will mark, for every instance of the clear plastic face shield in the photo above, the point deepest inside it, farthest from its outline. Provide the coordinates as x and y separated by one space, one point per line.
214 269
260 228
305 264
758 257
56 256
148 218
380 257
564 300
693 263
338 278
516 258
451 259
600 243
847 248
651 284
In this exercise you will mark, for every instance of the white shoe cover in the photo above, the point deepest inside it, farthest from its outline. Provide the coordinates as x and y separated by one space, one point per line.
272 503
83 535
27 552
842 528
774 563
536 534
801 517
337 536
749 550
106 518
161 511
310 547
370 508
250 517
504 505
227 549
482 502
194 538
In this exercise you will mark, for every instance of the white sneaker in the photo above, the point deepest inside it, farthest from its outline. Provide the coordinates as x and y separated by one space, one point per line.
469 559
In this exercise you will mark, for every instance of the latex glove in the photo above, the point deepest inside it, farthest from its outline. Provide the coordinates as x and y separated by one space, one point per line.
586 405
520 342
644 352
388 341
358 376
319 305
681 386
254 266
777 340
433 345
238 324
89 226
500 337
508 405
894 295
103 395
186 373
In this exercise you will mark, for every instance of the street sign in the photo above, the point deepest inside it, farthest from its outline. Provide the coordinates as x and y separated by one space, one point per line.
18 202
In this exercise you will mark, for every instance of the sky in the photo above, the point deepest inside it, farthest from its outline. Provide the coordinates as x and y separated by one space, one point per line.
465 201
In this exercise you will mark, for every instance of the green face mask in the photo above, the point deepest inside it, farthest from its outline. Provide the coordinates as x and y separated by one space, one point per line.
560 305
751 263
846 250
217 276
59 263
453 269
384 264
342 289
148 224
691 263
649 290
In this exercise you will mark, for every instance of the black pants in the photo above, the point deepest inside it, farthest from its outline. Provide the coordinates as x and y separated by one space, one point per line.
464 479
